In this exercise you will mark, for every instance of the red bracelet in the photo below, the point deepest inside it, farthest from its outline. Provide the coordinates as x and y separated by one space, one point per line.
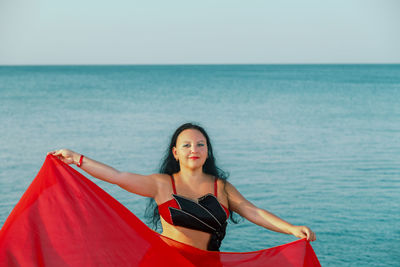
80 161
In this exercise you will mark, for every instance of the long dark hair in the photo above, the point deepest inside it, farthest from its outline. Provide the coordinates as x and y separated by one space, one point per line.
169 166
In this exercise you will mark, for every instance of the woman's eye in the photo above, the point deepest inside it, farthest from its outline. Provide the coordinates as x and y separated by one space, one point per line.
186 145
200 144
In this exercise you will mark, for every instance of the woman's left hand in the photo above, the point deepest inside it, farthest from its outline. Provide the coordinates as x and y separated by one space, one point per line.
303 232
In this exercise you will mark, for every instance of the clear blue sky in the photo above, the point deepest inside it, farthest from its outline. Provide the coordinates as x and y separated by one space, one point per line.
202 31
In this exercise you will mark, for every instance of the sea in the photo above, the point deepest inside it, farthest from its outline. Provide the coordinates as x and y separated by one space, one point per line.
317 145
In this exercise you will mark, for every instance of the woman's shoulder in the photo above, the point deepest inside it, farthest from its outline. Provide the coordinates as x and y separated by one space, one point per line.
162 180
223 182
164 186
228 187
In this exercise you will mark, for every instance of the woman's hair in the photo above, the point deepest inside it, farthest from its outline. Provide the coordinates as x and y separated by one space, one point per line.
169 166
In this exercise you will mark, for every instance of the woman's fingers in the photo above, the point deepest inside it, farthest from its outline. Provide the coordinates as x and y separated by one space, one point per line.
58 153
64 155
305 232
310 234
51 152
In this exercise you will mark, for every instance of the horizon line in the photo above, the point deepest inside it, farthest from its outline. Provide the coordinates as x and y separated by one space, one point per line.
188 64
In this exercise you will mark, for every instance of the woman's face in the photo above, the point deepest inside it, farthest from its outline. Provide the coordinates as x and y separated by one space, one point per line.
191 149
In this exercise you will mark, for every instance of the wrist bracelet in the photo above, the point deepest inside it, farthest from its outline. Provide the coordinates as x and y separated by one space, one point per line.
80 161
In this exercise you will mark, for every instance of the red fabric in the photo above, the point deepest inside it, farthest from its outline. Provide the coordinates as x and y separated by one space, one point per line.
215 188
173 184
64 219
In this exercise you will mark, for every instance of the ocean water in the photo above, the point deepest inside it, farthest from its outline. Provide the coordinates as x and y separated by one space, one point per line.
318 145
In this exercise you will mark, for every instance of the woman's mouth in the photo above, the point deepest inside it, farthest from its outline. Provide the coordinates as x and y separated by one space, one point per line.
194 158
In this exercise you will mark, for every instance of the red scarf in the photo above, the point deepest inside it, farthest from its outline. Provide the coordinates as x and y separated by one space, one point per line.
64 219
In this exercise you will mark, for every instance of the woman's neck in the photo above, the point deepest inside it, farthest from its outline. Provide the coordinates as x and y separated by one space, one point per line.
190 176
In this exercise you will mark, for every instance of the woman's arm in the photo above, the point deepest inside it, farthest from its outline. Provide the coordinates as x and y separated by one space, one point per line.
145 185
245 208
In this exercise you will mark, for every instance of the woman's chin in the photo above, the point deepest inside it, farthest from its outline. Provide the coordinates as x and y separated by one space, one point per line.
194 166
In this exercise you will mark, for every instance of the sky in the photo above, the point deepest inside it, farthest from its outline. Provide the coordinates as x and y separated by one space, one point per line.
75 32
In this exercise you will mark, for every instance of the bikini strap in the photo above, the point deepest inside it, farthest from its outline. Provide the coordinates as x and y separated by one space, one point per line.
215 187
173 184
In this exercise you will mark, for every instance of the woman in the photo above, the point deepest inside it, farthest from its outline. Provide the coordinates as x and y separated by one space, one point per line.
194 203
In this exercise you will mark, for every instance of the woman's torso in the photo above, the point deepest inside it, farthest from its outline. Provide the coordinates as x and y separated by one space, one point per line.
169 197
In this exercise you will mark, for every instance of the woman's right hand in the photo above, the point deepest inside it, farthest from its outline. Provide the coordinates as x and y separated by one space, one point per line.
65 155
